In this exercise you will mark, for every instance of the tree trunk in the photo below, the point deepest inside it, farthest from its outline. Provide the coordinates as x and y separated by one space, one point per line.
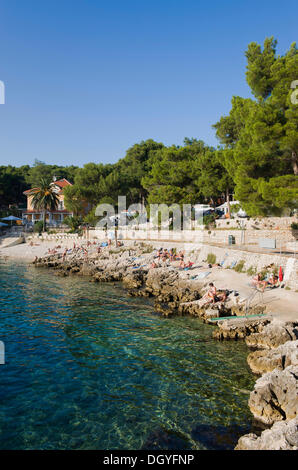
295 163
44 221
228 202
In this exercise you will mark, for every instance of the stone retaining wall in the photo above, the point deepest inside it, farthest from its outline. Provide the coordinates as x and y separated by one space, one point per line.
249 236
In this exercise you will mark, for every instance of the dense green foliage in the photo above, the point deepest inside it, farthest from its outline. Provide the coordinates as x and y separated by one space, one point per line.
41 170
260 137
13 181
73 223
38 227
189 174
257 158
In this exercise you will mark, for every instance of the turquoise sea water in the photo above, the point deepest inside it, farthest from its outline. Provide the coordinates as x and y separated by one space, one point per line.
88 367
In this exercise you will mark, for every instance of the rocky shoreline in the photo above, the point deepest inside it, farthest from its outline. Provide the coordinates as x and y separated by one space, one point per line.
274 343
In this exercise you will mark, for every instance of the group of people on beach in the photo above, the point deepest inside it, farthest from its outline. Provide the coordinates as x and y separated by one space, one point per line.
165 257
80 249
261 284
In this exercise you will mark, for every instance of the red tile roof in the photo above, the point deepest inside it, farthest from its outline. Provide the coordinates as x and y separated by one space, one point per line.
62 183
28 191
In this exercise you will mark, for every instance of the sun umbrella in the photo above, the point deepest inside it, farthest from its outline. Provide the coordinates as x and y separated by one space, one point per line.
11 218
3 225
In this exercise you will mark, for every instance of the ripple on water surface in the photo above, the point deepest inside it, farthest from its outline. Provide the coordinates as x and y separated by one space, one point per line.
89 368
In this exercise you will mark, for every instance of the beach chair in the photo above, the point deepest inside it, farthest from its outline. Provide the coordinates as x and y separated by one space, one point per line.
233 264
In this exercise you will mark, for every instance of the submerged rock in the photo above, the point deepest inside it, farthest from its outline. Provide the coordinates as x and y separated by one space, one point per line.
218 437
162 439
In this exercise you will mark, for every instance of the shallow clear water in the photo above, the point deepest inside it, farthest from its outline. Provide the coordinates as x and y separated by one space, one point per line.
88 367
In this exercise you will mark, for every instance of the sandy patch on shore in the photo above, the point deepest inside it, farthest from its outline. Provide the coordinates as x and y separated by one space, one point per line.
279 302
25 252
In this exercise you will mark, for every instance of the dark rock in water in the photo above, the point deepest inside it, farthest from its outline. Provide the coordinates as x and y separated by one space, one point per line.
166 309
165 439
218 437
134 280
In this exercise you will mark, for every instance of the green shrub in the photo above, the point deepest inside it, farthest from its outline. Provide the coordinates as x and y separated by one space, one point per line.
147 249
263 274
209 220
73 223
251 271
239 266
275 270
211 258
91 218
38 227
294 226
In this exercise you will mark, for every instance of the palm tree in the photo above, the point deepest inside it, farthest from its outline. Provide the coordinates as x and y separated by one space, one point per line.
44 198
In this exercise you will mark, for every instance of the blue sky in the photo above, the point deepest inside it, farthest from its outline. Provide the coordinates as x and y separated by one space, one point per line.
85 80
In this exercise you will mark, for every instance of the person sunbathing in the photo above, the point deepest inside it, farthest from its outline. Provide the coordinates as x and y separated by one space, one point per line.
172 254
187 265
213 296
210 294
64 254
181 257
273 280
153 265
258 282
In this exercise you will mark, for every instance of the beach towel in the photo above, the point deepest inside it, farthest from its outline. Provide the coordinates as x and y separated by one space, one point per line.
203 275
188 267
